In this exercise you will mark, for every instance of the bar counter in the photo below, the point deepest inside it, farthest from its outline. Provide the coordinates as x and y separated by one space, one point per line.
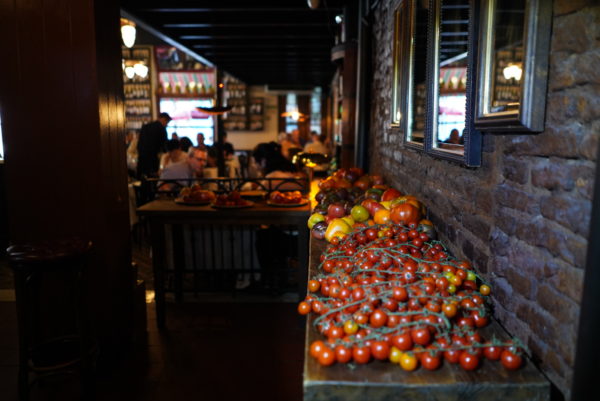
379 381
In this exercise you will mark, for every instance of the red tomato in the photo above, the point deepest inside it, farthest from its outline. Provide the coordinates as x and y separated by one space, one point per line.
402 341
304 308
430 362
361 355
452 355
378 318
313 285
468 361
510 360
420 336
316 348
342 354
380 350
326 357
492 352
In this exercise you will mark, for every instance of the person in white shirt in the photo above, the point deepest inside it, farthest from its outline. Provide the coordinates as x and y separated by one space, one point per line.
191 167
315 146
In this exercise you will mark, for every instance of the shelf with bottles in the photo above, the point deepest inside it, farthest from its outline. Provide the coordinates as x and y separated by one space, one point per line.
135 122
192 84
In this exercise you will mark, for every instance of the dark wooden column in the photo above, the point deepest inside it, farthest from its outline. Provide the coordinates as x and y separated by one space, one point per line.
349 105
61 103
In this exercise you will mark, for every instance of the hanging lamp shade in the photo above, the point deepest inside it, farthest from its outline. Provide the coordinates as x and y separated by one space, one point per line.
128 32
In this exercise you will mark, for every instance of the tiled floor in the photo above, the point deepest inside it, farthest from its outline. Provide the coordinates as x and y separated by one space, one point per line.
215 351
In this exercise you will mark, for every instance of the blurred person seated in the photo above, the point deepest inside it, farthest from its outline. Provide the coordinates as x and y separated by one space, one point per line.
271 164
174 136
290 142
200 140
455 138
316 145
191 167
232 163
173 155
185 144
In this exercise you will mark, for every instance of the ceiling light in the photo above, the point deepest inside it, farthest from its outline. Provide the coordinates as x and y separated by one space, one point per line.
313 4
339 18
128 32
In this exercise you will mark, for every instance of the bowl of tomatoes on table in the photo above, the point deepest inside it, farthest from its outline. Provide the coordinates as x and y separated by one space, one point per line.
286 199
231 200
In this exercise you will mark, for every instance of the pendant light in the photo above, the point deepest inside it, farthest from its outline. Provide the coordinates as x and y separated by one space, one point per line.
128 32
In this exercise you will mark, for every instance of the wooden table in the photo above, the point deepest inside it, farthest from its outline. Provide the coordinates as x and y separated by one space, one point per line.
160 213
379 381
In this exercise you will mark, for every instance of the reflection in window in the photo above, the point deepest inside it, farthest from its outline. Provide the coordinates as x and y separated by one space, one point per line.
291 106
508 29
453 59
315 110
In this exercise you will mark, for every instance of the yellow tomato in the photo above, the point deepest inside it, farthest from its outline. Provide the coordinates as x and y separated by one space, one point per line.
350 327
395 355
337 228
408 361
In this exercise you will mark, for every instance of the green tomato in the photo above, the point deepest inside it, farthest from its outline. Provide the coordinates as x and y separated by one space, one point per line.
314 219
359 213
471 276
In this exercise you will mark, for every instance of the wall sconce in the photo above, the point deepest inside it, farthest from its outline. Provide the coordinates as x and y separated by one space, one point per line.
513 71
128 32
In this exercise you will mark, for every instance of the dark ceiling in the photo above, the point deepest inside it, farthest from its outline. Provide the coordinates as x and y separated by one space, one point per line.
275 42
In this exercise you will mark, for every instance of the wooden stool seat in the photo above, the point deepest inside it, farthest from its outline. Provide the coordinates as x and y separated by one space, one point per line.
54 334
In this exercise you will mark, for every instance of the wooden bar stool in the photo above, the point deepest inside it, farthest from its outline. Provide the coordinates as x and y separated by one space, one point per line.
54 332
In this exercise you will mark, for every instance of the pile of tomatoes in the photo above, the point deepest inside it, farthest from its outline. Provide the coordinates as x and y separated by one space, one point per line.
231 199
389 292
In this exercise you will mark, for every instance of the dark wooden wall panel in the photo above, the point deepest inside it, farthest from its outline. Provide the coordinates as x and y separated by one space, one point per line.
63 119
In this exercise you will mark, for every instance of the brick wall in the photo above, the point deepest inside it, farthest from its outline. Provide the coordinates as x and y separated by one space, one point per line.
522 217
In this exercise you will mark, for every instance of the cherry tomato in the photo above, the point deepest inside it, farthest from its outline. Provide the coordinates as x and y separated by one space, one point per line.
316 348
378 318
399 294
468 361
430 362
420 336
342 354
326 357
350 327
361 355
485 289
395 355
408 361
402 341
492 352
304 308
452 355
380 350
313 285
450 310
510 360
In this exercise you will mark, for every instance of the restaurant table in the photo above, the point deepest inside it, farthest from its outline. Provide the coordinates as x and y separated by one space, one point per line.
379 381
161 213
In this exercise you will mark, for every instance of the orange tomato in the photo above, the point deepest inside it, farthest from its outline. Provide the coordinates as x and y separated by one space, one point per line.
382 216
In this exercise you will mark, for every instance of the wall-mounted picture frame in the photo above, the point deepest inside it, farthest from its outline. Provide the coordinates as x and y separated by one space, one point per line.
452 53
514 42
